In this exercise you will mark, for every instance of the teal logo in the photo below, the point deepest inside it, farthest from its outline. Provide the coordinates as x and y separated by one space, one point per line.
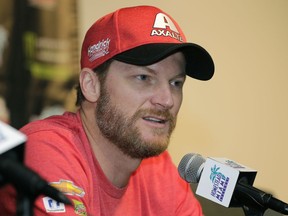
220 183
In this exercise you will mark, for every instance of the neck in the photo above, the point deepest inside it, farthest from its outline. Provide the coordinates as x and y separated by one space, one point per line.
117 166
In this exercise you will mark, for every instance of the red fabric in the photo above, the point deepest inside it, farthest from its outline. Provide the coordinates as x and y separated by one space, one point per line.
58 149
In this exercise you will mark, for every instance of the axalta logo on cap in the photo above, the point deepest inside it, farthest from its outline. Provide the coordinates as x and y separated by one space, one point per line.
162 21
98 50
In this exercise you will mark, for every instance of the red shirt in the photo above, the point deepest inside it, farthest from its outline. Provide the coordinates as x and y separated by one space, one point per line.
59 151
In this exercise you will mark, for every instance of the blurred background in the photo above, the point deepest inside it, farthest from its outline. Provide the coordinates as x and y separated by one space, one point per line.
241 114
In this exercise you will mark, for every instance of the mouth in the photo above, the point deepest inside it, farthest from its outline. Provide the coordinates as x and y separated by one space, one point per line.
157 120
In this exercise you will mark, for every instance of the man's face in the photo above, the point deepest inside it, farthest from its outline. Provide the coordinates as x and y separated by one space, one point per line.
138 105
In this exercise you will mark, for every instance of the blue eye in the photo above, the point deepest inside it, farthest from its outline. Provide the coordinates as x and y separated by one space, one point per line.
177 83
142 77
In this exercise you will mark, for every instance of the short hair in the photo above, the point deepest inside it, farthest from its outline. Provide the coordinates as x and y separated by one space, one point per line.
101 72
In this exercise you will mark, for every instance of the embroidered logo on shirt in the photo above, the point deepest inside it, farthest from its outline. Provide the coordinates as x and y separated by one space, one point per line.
79 208
68 188
53 206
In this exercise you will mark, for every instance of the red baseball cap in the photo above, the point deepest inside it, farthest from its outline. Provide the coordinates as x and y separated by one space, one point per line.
142 35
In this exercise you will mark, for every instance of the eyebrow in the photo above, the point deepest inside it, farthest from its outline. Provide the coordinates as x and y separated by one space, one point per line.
179 75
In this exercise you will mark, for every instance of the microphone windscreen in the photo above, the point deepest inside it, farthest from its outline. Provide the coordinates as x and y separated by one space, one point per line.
190 167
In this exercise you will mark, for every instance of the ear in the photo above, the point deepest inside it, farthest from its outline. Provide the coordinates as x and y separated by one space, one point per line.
90 84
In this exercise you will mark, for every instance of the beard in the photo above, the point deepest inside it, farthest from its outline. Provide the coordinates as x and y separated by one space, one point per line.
123 132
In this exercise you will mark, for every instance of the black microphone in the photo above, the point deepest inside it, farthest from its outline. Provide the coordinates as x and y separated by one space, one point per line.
27 181
191 167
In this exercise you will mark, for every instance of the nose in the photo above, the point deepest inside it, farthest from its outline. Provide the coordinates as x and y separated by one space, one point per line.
162 97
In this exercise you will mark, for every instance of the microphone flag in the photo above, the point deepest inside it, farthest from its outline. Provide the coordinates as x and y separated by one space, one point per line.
219 178
10 137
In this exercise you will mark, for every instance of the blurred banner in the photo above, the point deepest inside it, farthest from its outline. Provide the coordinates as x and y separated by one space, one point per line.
39 59
51 40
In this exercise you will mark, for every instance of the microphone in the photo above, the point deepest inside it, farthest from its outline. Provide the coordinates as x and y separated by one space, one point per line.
27 181
12 171
227 183
10 137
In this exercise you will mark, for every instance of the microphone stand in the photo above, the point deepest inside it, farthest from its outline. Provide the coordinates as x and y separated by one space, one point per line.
254 210
24 202
251 206
255 202
25 193
24 205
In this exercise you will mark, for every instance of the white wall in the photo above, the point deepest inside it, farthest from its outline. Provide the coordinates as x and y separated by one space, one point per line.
242 113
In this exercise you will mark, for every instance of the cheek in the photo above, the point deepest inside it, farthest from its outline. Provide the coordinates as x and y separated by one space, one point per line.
124 94
177 104
126 100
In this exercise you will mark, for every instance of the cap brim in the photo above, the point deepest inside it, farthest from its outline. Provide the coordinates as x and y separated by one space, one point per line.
199 64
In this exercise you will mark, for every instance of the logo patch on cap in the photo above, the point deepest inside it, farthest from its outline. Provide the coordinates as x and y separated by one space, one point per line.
164 26
98 50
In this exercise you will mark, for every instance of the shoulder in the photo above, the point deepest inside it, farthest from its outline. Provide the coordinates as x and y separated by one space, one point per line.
67 121
57 148
55 137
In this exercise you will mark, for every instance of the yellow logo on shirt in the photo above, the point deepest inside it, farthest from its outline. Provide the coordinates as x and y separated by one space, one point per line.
67 187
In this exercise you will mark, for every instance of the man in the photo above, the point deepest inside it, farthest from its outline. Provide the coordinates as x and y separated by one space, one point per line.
110 157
